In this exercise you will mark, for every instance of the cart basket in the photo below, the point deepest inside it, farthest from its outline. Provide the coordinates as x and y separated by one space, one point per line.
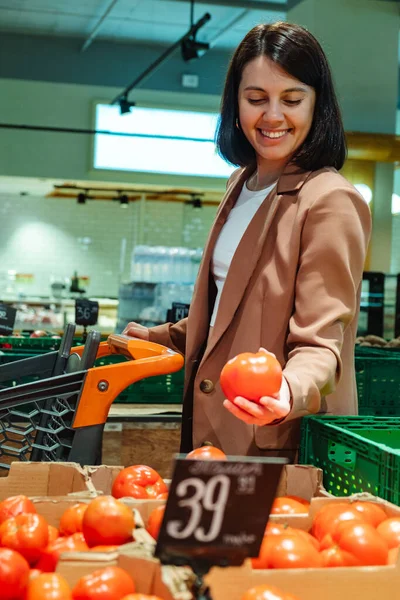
59 415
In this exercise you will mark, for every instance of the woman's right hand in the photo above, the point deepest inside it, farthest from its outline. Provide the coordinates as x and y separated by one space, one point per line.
137 331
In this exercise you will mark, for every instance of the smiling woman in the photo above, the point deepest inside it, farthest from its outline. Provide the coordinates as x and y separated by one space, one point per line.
283 264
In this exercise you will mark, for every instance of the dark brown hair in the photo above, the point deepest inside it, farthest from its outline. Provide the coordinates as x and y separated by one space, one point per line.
298 53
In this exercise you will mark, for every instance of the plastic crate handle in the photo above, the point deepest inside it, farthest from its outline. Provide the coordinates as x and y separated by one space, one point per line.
104 383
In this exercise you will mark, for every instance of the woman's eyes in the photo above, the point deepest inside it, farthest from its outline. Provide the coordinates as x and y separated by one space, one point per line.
262 100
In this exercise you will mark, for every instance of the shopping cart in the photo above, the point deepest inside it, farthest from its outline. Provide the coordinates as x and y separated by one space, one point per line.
53 407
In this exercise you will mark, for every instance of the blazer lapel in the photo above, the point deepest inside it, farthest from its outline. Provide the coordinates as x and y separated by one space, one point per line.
249 249
200 306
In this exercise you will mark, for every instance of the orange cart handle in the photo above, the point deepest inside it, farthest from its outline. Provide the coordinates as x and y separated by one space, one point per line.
103 384
132 348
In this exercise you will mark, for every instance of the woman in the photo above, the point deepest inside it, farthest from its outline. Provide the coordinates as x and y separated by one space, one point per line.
282 266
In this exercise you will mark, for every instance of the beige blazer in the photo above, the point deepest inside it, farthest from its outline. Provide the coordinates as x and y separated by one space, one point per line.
293 287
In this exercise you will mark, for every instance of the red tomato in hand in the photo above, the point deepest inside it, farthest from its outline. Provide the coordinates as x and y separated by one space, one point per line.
14 574
27 534
154 522
49 557
206 453
111 583
71 519
14 506
108 522
48 586
251 376
138 481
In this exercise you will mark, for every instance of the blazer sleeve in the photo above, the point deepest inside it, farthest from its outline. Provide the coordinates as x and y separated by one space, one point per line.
171 335
334 243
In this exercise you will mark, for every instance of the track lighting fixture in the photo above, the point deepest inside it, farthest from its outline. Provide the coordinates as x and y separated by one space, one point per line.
81 198
125 105
124 201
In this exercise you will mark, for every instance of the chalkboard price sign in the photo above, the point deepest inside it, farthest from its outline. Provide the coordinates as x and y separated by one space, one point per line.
86 312
7 319
217 511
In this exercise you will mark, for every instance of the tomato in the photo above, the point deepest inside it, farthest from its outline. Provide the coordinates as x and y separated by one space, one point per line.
266 592
49 557
53 533
14 574
154 521
371 512
103 548
206 453
71 519
363 542
251 375
286 551
336 557
278 528
27 534
110 583
138 481
15 505
107 521
299 499
390 531
48 586
330 515
288 506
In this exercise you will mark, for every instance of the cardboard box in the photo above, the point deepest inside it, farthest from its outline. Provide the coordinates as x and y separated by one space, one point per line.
45 479
351 583
302 480
150 577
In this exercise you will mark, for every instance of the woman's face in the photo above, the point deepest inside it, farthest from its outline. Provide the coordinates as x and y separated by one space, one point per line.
275 110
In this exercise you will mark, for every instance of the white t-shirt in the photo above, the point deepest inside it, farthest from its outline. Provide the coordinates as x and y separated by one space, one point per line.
231 233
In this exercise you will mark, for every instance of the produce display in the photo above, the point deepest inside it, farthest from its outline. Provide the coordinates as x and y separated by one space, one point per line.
100 545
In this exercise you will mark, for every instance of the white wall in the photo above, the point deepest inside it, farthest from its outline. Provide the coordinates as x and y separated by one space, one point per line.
55 237
66 156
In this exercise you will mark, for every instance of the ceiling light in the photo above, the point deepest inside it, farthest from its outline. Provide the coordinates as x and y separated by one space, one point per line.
192 49
124 201
124 105
196 202
81 199
365 191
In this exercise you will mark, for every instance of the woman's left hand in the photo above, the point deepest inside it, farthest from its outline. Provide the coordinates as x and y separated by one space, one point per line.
269 408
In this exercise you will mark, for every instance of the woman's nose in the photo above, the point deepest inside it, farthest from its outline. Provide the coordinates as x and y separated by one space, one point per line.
273 112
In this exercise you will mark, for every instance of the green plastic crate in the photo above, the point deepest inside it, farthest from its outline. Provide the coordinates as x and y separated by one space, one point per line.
356 454
378 384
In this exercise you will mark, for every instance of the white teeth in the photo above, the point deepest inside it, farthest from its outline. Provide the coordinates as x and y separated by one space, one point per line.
274 134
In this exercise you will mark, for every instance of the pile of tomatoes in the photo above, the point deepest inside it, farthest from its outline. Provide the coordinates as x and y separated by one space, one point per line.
343 534
30 548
